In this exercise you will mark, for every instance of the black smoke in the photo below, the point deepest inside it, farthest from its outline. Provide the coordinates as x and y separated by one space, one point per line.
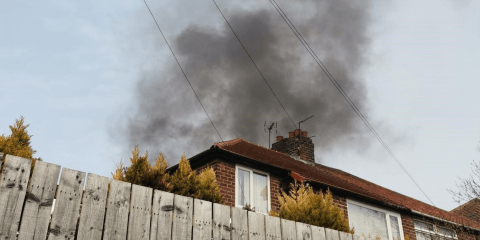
166 117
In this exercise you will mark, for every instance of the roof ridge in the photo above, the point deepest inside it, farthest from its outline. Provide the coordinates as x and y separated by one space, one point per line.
237 140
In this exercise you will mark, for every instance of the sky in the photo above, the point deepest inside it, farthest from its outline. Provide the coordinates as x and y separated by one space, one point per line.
95 78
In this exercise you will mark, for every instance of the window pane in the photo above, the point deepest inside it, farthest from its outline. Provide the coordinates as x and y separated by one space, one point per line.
260 193
243 197
423 225
446 231
423 236
368 222
395 228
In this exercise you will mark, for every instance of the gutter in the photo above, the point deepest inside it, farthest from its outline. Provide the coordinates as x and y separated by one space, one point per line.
443 220
360 196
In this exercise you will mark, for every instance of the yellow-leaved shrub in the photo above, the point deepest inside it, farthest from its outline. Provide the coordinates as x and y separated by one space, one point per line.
208 186
18 142
184 181
141 172
302 204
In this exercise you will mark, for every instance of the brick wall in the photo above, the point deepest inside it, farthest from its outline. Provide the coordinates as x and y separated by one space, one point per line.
225 173
274 192
408 228
341 202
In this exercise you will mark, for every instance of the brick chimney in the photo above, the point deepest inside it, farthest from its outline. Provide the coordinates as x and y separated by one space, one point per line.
298 144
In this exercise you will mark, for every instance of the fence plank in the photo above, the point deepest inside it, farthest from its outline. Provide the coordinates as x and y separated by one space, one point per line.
93 208
256 226
288 230
162 212
273 230
239 224
118 204
38 206
67 205
304 231
318 233
345 236
221 222
331 234
13 186
202 224
140 213
182 217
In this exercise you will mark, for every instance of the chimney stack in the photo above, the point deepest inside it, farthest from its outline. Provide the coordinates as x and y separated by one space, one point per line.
297 145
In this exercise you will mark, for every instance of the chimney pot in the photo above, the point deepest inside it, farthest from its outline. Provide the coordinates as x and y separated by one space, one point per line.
291 134
304 133
297 132
279 138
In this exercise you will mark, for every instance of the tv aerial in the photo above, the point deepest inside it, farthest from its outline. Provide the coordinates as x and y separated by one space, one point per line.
304 121
270 126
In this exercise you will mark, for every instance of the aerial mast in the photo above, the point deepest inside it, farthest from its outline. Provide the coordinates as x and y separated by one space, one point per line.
271 126
304 121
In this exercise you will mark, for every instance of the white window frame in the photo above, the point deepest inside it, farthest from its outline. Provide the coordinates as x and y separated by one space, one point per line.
435 229
237 185
387 216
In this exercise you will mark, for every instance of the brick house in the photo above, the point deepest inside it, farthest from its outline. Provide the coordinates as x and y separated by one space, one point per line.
255 175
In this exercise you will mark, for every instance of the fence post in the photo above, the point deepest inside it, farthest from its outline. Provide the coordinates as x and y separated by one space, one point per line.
182 217
118 204
93 208
38 207
67 205
13 185
162 213
140 213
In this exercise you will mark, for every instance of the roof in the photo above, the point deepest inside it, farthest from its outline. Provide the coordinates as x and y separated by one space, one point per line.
339 179
470 209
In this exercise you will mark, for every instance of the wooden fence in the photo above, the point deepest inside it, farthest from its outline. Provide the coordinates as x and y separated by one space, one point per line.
99 208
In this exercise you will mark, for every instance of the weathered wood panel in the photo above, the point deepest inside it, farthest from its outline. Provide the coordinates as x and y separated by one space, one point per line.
182 217
13 187
345 236
38 206
93 208
256 226
318 233
140 213
118 204
357 237
288 230
67 205
331 234
304 231
162 213
239 224
221 222
202 220
273 231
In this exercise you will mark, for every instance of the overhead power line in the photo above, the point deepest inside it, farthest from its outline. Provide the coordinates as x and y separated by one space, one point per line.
251 59
339 88
171 50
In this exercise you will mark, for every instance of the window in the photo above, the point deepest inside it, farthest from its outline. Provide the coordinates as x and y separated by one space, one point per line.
252 188
429 231
374 222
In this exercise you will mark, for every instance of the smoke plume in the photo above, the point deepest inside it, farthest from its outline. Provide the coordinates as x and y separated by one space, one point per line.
166 117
